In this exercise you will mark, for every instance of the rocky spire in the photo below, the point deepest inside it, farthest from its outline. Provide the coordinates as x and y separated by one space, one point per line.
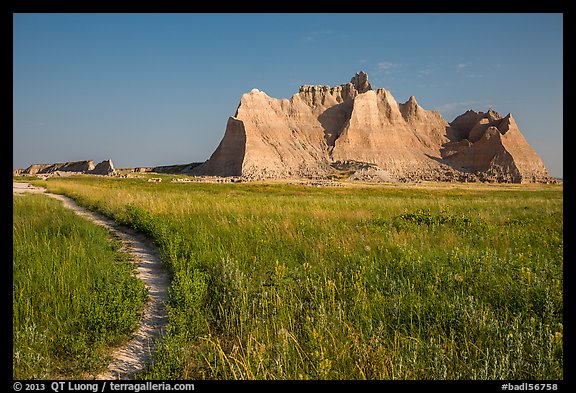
360 82
492 115
410 109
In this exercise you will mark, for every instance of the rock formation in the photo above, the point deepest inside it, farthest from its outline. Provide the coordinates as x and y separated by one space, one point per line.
302 137
493 145
75 166
104 168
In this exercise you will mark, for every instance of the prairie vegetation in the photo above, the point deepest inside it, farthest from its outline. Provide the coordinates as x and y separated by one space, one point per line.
274 281
74 294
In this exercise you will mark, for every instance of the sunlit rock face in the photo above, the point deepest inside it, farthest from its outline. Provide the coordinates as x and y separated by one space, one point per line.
307 135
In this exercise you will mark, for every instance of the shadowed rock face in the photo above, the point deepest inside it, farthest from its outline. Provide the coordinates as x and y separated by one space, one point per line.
228 158
103 168
302 136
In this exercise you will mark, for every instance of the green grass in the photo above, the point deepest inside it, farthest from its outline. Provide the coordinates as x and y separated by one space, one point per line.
74 293
273 281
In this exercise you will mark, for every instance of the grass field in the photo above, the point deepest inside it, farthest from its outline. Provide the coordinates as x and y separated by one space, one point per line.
74 293
273 281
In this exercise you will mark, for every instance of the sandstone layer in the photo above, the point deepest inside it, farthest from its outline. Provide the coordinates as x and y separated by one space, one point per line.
304 136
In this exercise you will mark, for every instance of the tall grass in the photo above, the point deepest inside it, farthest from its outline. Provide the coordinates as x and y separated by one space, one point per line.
271 281
74 293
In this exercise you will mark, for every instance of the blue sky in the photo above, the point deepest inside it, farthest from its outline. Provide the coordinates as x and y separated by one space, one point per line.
157 89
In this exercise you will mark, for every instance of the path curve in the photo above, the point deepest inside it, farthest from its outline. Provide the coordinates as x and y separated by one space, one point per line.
138 352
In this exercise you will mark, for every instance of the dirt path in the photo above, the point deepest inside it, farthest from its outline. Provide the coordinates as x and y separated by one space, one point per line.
134 356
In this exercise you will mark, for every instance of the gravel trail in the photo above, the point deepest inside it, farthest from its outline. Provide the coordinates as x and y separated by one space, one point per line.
137 353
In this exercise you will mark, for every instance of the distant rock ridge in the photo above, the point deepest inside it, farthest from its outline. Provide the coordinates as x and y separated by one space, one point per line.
303 136
86 166
75 166
174 169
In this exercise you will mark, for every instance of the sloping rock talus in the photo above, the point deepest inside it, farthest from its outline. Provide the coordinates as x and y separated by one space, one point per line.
304 136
